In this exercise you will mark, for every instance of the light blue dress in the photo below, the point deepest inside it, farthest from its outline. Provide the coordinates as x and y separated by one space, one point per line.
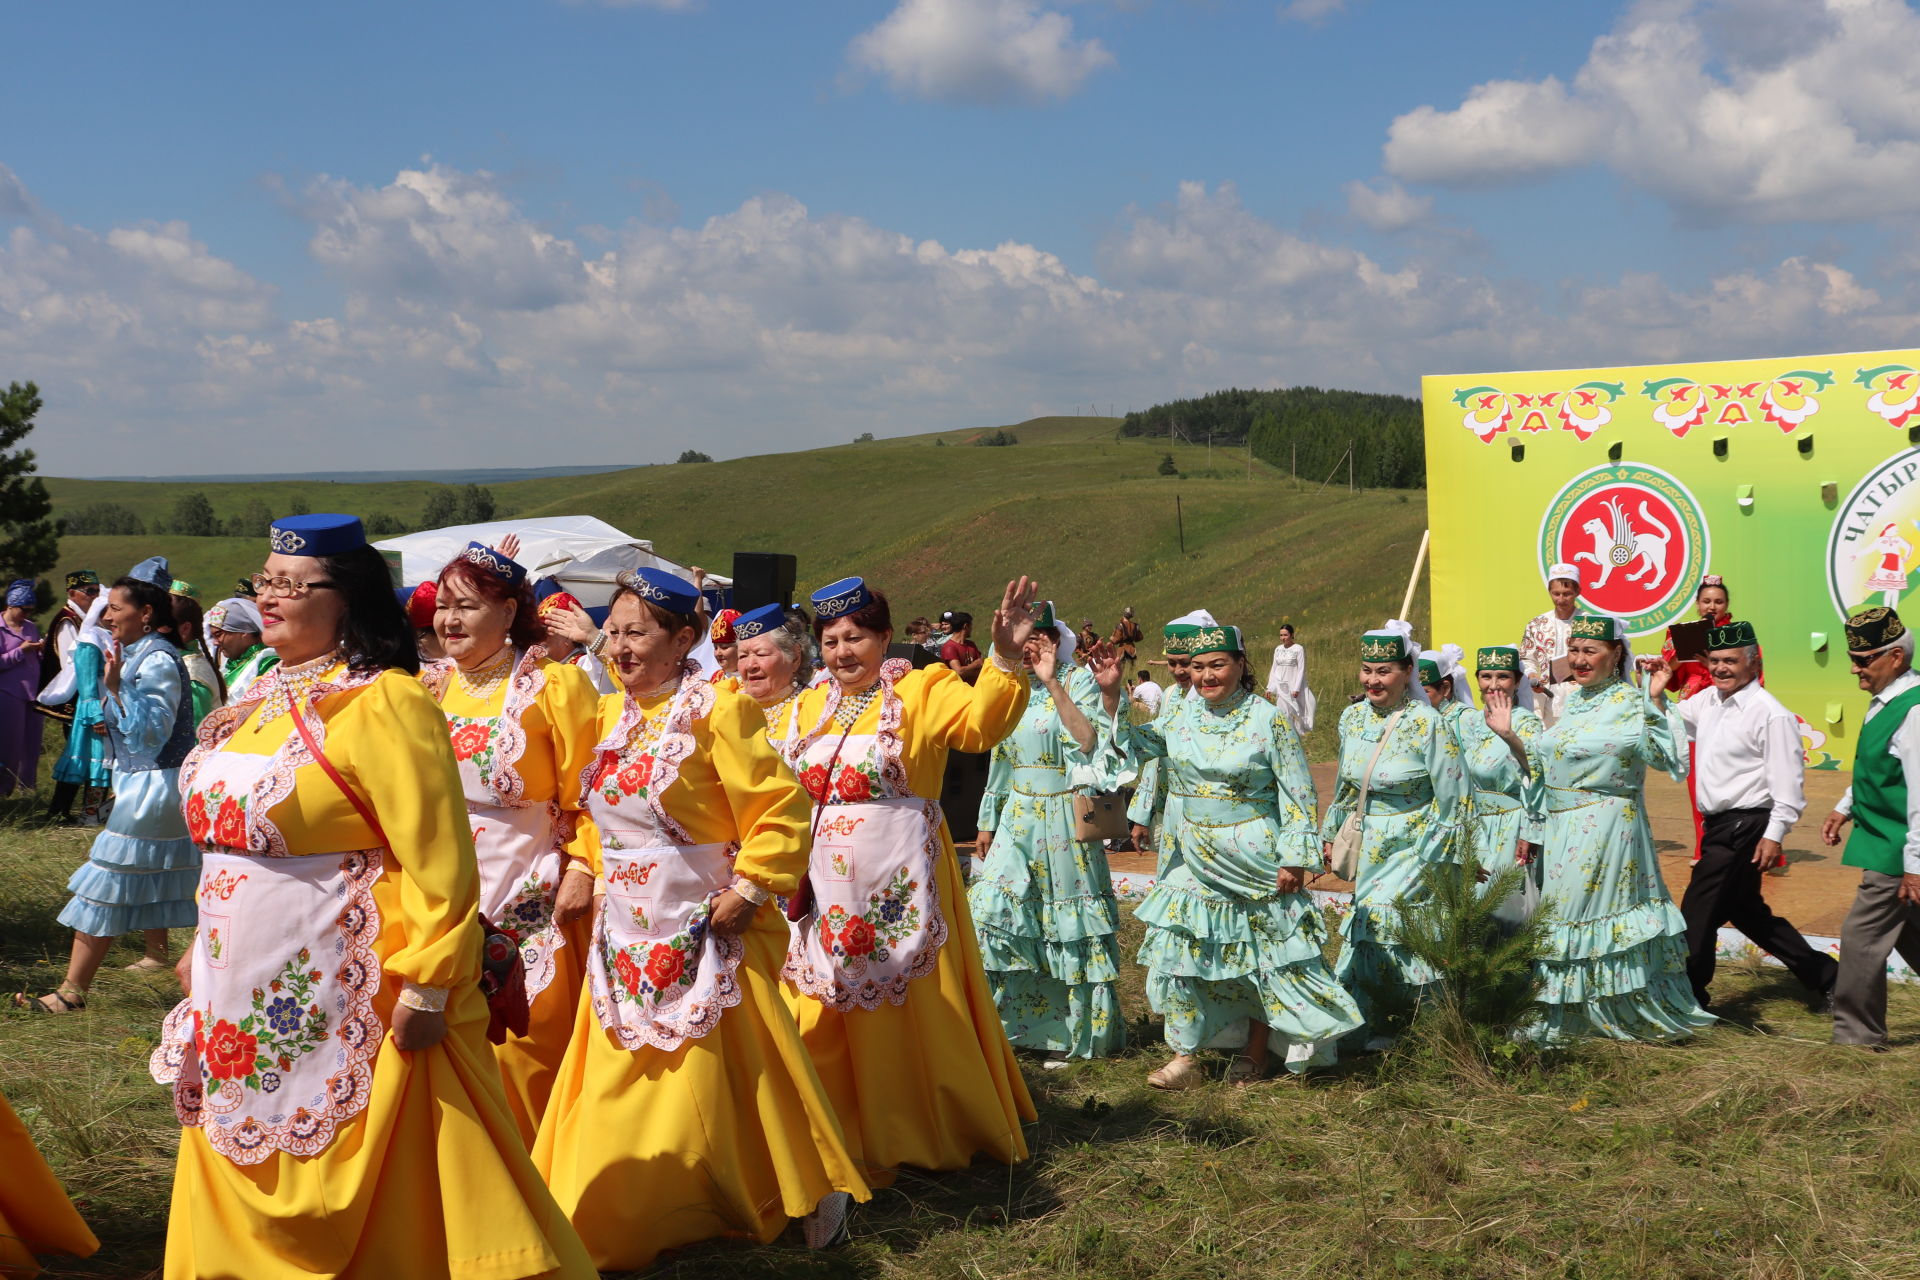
1617 958
1416 818
1148 808
1043 905
1504 802
1223 944
84 761
142 870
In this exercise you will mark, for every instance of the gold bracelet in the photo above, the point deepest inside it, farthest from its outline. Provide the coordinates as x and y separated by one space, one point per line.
749 890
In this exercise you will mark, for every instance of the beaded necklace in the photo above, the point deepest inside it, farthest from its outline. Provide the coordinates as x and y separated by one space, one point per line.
851 708
480 683
773 709
291 684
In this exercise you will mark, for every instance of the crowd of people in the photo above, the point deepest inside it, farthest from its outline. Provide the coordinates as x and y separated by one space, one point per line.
532 940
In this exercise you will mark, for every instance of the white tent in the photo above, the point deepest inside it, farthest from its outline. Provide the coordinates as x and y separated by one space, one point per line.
585 554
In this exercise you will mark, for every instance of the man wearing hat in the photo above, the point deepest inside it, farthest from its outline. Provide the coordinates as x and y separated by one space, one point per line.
1748 774
1884 806
83 587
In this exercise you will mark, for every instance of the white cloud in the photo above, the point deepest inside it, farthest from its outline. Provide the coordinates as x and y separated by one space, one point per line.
1739 110
1385 205
466 330
979 51
1310 10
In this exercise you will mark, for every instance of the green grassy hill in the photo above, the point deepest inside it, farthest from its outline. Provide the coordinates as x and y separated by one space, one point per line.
941 523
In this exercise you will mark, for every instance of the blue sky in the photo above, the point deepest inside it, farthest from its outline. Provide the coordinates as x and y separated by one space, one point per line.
378 235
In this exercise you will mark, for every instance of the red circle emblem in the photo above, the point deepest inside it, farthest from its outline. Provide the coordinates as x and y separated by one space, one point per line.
1629 544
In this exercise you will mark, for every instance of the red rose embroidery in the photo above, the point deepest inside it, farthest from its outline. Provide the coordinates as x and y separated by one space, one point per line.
197 823
470 741
664 966
228 1051
628 972
857 938
854 785
230 826
635 776
814 779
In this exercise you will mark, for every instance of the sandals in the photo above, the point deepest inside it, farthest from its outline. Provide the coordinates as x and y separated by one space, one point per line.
65 1000
147 964
1181 1073
1242 1071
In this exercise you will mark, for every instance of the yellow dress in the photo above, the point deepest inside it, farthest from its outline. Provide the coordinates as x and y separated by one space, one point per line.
535 762
424 1173
35 1214
930 1081
729 1132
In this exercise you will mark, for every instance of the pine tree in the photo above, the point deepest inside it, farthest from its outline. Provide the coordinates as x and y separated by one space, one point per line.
29 538
476 504
193 516
443 509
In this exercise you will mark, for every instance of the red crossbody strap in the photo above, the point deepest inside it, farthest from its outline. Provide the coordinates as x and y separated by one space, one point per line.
320 758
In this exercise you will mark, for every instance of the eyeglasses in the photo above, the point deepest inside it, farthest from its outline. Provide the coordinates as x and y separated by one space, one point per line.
283 586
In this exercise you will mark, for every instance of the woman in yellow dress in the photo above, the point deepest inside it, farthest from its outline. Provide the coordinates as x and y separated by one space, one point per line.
35 1214
343 1114
773 667
523 728
686 1107
884 970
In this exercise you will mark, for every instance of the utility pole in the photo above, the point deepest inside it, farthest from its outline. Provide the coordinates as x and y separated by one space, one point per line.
1180 523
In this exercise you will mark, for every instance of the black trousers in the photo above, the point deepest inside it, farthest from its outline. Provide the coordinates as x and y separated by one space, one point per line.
1725 889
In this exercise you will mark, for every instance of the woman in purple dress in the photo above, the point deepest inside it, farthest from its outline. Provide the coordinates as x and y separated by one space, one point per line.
20 725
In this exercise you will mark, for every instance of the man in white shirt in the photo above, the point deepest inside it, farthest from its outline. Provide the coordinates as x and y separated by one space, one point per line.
1147 694
1883 804
1749 776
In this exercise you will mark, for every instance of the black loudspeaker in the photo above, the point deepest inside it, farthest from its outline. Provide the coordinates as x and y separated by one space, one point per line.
763 577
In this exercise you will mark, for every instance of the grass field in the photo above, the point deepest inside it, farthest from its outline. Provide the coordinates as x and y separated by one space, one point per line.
940 523
1756 1150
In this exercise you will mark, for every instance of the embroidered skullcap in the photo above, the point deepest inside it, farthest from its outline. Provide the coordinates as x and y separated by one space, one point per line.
723 630
153 571
1872 630
82 578
758 622
244 589
20 594
242 617
1218 638
1568 572
320 534
1593 626
1391 642
420 605
1445 663
1713 580
1043 614
1731 635
495 562
1497 657
656 586
181 587
555 604
849 595
1428 671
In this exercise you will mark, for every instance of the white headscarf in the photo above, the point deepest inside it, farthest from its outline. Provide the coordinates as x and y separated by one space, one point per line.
1448 660
1403 629
242 613
1068 641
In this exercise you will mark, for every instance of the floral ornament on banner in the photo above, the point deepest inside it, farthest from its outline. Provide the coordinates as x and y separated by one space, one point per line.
1786 400
1582 409
1896 393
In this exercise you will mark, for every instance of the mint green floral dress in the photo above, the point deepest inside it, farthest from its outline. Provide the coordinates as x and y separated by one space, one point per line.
1616 965
1148 808
1223 945
1504 803
1417 810
1043 904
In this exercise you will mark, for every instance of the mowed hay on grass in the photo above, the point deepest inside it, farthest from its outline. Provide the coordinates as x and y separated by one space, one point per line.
1755 1151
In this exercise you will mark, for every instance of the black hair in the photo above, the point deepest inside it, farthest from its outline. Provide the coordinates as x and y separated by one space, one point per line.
376 635
961 618
187 613
1705 587
147 596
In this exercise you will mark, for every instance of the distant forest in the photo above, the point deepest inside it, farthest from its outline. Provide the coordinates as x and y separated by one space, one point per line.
1314 425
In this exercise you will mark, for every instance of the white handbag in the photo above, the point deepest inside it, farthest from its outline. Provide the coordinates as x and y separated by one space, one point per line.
1343 853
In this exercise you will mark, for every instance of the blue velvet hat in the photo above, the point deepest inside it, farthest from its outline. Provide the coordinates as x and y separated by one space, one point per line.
668 590
153 570
547 586
403 595
757 622
508 570
321 534
838 599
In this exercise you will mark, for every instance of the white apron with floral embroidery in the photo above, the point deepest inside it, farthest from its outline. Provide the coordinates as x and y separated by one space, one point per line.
274 1049
876 922
657 974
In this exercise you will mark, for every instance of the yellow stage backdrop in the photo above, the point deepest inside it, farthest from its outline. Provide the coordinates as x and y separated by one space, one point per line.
1794 479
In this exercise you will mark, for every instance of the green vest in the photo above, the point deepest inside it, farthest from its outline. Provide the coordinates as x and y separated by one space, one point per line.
1880 793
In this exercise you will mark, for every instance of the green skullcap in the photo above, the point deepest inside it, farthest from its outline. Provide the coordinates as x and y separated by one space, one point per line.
1498 657
1593 626
1731 635
1383 646
1221 639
